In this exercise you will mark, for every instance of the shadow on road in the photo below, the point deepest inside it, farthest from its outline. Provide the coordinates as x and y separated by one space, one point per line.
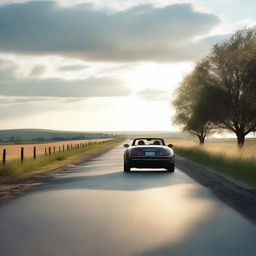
135 180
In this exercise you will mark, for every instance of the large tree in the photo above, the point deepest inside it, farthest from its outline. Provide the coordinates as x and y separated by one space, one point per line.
221 90
232 71
189 105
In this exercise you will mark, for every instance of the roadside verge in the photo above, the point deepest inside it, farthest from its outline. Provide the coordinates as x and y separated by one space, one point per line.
15 187
239 198
240 170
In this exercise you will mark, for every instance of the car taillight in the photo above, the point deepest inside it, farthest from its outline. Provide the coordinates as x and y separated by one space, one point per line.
164 153
136 153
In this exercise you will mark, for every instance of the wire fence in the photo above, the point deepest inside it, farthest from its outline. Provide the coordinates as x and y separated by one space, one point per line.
32 151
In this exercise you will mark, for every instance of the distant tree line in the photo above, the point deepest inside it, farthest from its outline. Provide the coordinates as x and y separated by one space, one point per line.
220 92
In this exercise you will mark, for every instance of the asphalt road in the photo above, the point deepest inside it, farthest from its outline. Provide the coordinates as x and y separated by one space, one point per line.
97 209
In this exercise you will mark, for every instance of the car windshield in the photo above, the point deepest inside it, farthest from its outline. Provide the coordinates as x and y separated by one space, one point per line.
138 142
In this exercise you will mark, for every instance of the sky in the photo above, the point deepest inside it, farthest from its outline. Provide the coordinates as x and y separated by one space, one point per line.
105 65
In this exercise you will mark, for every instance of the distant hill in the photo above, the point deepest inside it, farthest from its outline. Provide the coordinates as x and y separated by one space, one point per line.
26 135
21 135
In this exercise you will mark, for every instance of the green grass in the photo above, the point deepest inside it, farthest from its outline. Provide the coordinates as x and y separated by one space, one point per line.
14 169
239 168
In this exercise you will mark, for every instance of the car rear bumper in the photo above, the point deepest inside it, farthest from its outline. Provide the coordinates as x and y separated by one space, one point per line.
144 162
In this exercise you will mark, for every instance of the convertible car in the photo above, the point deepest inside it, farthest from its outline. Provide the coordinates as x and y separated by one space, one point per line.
149 153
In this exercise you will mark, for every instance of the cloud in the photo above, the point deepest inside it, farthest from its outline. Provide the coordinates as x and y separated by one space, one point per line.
10 100
55 87
154 94
37 70
11 85
18 107
138 33
73 67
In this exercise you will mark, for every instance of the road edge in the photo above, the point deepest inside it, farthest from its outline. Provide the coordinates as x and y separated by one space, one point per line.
239 197
13 189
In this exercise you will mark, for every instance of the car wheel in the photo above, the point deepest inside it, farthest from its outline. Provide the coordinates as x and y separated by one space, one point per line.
126 167
171 168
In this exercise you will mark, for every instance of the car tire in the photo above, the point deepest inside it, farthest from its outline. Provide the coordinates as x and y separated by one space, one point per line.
171 168
127 168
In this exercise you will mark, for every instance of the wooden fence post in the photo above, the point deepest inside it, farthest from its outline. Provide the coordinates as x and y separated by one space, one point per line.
50 151
54 150
59 149
34 152
4 156
22 155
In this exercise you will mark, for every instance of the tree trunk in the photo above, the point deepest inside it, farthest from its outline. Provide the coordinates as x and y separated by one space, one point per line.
201 139
240 139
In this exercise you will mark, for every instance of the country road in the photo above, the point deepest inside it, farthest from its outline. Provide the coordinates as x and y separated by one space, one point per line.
96 209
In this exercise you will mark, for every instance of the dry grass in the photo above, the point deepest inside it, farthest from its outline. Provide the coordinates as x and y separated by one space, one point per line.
13 151
223 156
226 147
15 170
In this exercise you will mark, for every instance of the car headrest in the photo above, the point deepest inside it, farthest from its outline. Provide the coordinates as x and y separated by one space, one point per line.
141 142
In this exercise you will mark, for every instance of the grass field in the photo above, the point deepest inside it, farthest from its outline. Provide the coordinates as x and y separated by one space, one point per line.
13 151
227 147
223 156
14 169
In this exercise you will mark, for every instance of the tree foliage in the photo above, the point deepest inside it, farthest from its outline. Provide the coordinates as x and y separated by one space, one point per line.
221 90
188 103
233 71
